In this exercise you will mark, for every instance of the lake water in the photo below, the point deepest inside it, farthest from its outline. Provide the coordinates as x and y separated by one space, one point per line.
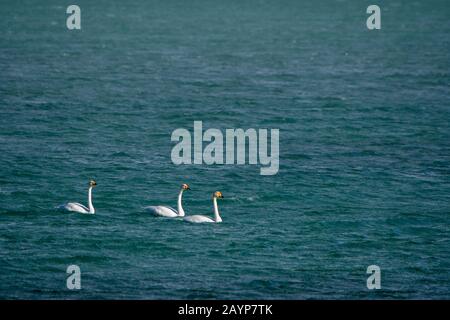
364 120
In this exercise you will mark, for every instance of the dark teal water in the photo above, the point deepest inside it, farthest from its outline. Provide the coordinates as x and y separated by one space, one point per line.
364 149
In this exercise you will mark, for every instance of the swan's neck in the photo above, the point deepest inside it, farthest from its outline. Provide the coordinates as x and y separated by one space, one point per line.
180 207
217 217
91 207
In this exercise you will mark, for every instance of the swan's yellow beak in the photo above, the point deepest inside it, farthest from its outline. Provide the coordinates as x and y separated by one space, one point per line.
218 195
185 186
92 183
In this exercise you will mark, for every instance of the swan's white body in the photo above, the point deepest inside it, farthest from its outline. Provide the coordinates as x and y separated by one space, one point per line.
165 211
78 207
202 219
162 211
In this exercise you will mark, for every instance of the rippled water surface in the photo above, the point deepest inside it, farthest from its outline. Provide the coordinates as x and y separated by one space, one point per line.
364 149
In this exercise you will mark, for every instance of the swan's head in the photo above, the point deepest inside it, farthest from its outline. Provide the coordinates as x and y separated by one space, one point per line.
92 183
185 186
218 195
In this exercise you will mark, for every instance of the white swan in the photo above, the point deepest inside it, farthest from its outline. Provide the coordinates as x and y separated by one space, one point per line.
201 219
169 212
77 207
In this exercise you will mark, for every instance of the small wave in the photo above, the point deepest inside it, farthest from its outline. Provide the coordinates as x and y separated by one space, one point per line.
243 199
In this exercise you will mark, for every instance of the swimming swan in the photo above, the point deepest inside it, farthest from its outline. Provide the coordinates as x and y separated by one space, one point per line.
77 207
200 219
169 212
